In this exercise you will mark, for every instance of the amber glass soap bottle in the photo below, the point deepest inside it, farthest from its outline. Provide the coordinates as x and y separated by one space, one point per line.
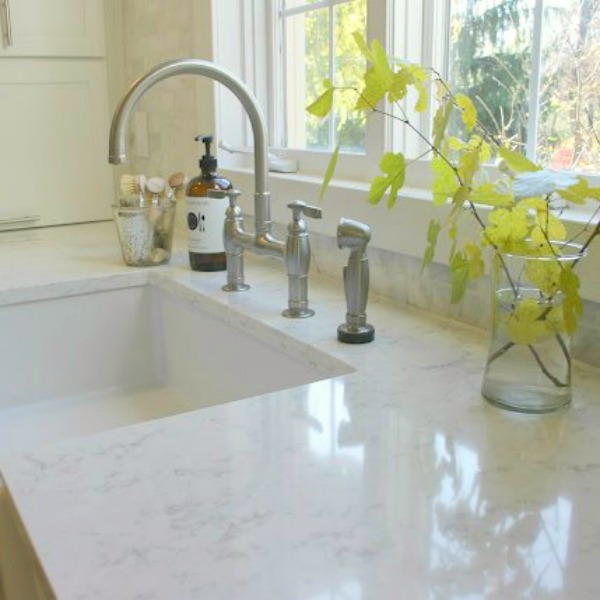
205 216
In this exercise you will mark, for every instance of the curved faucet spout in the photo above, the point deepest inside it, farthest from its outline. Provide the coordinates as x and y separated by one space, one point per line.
191 66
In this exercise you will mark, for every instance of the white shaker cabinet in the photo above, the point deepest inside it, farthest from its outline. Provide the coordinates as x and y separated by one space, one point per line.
54 114
52 28
53 143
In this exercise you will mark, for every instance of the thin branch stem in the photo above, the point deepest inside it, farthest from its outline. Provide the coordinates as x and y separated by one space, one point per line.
565 351
557 382
585 228
499 353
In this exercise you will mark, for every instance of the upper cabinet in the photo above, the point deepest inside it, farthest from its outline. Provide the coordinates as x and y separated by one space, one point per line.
54 117
61 28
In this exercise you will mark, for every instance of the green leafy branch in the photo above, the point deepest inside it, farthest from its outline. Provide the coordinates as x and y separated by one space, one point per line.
523 224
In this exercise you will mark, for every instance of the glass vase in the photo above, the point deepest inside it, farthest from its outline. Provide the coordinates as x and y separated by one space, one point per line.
528 367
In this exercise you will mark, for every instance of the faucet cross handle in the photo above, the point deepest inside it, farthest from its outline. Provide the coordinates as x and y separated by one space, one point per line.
300 208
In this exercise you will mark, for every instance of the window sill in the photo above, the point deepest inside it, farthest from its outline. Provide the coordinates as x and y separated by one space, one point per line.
575 216
401 230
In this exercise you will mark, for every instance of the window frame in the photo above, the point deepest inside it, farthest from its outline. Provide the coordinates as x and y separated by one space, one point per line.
351 166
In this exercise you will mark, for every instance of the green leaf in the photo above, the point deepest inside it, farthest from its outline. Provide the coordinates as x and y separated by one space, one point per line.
419 77
476 264
372 93
393 166
330 171
544 274
580 192
423 97
321 107
440 122
433 231
453 237
381 64
445 183
516 162
391 163
456 144
468 164
379 78
460 197
572 303
378 187
525 325
399 88
468 110
507 228
362 45
459 269
488 194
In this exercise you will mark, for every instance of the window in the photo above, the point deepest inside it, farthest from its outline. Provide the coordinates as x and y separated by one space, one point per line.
316 43
533 70
532 67
311 40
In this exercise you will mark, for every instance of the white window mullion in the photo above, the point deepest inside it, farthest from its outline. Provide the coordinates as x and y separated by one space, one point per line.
274 73
332 119
409 35
534 82
283 92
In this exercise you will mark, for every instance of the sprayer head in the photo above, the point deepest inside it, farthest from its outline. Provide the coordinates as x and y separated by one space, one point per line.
353 235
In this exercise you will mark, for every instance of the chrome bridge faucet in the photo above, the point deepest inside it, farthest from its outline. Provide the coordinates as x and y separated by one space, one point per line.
235 237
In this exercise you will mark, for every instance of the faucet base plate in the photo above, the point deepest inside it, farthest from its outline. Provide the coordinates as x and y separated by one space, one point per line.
355 334
236 287
298 314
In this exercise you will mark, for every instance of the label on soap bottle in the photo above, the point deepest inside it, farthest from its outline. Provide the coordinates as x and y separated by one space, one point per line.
205 219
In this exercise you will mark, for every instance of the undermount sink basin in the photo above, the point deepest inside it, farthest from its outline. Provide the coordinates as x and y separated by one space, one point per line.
82 364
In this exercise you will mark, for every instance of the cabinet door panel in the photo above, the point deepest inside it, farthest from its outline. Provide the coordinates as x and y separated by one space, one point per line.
53 142
54 28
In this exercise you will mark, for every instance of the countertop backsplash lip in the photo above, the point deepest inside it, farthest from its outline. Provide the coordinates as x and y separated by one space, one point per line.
401 279
353 484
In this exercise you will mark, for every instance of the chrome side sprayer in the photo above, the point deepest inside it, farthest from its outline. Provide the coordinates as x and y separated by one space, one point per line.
355 236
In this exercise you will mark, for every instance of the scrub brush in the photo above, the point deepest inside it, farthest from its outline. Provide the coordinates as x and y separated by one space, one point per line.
132 189
155 189
133 184
155 193
177 183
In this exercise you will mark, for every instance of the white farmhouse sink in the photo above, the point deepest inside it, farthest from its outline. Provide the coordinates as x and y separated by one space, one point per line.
82 364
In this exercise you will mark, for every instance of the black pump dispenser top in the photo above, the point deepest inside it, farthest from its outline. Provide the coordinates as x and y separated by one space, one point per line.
208 163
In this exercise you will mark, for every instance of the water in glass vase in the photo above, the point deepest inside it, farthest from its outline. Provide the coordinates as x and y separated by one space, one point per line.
529 362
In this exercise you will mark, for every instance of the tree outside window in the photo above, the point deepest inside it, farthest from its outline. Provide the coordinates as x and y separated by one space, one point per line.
494 55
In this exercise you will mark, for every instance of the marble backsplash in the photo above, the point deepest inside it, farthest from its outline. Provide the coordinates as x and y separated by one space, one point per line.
399 277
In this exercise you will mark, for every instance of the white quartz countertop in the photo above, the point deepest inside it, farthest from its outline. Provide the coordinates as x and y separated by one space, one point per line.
395 481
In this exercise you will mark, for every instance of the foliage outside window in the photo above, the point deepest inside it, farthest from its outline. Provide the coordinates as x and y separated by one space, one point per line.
317 43
532 67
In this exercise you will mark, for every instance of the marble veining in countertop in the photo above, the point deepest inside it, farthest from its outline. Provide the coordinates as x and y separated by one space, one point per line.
394 481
